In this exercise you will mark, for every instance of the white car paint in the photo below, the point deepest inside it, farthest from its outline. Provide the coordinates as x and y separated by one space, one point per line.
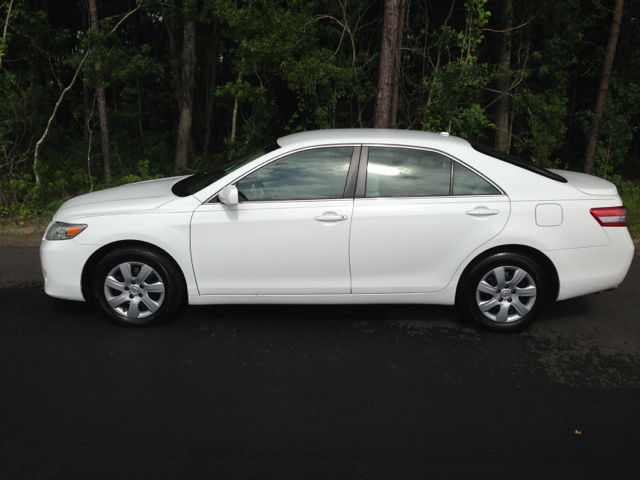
272 248
385 250
438 231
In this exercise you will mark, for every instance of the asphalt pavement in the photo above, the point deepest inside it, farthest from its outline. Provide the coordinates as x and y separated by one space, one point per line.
370 392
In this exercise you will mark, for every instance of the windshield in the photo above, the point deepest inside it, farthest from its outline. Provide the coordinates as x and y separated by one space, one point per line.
505 157
195 183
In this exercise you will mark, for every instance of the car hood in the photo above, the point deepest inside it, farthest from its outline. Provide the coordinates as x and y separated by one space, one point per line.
131 198
588 183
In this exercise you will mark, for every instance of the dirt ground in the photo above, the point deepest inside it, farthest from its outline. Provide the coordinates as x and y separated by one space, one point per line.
21 240
23 234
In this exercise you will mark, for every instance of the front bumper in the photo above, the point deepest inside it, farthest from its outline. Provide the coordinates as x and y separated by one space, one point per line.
62 262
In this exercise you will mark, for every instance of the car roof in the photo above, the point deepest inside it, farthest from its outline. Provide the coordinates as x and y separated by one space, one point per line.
371 135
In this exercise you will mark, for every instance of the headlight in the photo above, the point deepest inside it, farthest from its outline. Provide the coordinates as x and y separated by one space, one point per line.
63 231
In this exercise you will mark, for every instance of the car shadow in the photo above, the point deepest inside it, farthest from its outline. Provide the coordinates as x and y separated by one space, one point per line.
565 309
379 313
433 315
73 308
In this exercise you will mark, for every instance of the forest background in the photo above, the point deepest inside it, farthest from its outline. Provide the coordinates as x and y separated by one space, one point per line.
95 94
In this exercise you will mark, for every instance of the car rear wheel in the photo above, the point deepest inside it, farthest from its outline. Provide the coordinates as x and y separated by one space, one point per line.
138 287
504 292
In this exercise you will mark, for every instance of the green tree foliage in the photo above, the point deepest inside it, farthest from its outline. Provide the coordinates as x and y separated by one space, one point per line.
266 68
618 127
447 75
307 51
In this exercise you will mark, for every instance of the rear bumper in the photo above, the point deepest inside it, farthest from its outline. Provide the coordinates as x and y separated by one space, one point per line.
590 270
62 262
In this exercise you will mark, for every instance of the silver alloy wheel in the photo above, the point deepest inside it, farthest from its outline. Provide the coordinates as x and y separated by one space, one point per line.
134 290
506 294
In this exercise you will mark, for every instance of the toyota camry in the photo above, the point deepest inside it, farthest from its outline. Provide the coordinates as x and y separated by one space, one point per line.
344 217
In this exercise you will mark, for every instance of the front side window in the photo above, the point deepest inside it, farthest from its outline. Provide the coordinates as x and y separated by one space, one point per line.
315 174
402 172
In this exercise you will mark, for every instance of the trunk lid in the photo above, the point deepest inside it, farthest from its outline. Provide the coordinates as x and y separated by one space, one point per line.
588 183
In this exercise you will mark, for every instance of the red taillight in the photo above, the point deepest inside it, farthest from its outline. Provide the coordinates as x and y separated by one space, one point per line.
611 216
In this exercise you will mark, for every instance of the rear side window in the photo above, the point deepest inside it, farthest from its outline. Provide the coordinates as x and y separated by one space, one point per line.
402 172
505 157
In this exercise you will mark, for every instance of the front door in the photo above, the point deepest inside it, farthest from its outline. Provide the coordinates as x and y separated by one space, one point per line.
288 236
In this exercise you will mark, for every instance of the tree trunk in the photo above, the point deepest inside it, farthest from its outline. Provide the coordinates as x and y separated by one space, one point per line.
102 103
85 106
170 24
592 141
3 198
36 152
85 89
6 26
387 63
185 89
140 116
210 89
398 66
234 117
503 81
4 35
567 150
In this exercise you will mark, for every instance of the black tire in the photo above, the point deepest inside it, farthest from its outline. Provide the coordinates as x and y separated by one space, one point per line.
488 294
138 287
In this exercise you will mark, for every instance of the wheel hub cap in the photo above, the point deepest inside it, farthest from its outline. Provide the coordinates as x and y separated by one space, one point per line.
134 290
506 294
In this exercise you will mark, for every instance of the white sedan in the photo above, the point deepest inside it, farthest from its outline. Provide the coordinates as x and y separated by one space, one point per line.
345 216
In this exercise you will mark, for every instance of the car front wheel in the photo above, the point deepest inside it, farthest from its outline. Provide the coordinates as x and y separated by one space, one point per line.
504 292
137 287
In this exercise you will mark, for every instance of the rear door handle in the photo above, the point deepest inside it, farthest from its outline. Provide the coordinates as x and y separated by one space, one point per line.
331 217
482 212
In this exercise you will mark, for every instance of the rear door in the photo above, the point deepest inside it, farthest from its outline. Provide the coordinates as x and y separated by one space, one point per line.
417 215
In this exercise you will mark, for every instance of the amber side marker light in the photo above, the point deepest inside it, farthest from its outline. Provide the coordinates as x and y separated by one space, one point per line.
610 216
73 231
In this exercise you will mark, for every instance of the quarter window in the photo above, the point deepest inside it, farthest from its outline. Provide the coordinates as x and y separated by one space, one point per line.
308 175
465 182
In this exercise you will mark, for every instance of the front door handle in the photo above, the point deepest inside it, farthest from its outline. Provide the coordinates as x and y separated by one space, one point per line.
482 212
331 217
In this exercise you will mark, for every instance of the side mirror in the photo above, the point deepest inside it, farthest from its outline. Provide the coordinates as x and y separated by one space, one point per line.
229 195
